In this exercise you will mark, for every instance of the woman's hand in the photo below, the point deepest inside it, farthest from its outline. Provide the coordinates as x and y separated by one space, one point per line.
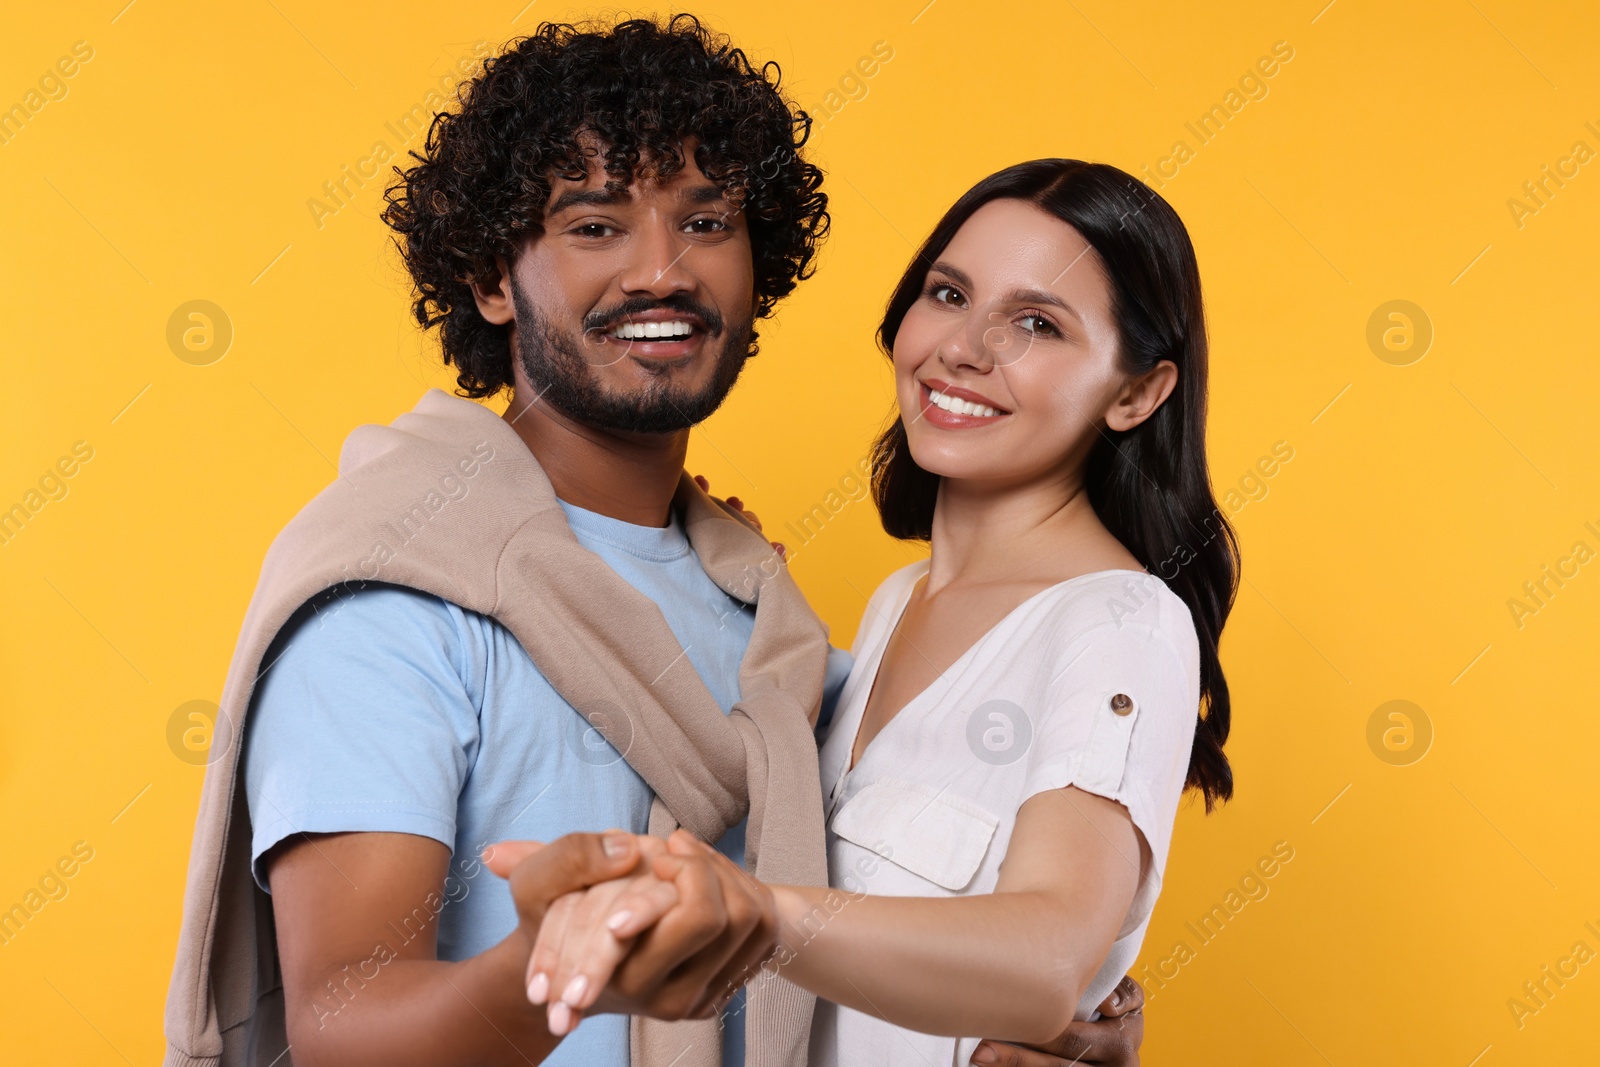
586 934
736 505
592 943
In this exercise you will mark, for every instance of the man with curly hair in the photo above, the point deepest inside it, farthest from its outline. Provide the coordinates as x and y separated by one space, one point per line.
596 231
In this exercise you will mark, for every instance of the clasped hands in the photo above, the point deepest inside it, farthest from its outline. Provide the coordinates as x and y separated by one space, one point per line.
672 932
624 923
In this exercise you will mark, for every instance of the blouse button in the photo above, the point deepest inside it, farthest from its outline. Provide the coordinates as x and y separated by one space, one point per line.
1122 704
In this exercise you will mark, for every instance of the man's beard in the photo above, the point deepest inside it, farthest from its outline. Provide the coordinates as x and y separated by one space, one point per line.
563 378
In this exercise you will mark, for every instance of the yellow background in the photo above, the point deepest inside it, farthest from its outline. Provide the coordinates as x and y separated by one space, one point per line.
1378 564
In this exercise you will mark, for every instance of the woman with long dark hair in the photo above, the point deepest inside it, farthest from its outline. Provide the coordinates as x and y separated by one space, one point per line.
1028 704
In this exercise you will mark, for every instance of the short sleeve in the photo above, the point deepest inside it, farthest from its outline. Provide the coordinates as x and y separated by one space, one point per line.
366 718
1119 722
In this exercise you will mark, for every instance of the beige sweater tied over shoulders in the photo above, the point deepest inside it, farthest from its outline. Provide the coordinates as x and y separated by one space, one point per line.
449 500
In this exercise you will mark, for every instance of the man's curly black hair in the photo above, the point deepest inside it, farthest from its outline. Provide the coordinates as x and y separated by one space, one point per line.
482 185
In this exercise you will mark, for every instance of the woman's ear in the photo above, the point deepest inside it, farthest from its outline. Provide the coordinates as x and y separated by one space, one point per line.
1139 399
493 294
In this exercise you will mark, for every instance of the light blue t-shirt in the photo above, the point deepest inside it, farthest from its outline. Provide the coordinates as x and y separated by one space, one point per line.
387 709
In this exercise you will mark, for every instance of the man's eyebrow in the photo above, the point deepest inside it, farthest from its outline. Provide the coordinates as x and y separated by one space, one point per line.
704 194
574 197
1016 296
696 194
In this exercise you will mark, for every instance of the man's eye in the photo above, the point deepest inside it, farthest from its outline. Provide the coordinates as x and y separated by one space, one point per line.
591 229
708 225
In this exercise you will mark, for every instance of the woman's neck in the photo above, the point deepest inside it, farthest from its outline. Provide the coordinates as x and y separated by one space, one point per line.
1044 531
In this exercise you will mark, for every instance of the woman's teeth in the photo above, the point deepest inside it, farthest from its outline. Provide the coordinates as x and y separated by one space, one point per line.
961 407
632 331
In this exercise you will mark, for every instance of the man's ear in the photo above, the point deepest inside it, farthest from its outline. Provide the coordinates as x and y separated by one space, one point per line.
493 294
1139 399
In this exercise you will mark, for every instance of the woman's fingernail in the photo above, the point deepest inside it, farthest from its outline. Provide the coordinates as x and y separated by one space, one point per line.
983 1054
618 921
575 989
560 1018
538 988
615 844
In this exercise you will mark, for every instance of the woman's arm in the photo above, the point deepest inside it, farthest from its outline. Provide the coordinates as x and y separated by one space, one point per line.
1011 964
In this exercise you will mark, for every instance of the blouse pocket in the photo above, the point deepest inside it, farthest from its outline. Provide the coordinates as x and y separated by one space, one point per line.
934 835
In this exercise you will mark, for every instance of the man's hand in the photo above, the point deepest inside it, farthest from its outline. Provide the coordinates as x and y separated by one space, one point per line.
680 941
585 915
1112 1041
541 874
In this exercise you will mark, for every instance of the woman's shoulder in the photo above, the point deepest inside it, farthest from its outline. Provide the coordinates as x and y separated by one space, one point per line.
1119 598
880 609
896 582
1119 607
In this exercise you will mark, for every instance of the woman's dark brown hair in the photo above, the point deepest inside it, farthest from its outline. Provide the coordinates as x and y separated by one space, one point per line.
1150 485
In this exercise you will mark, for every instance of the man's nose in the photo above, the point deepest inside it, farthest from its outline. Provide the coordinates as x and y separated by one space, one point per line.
658 263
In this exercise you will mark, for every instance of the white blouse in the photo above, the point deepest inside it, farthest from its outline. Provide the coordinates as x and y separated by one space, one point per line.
1093 682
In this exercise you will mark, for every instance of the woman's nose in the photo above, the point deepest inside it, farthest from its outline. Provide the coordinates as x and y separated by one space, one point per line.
982 341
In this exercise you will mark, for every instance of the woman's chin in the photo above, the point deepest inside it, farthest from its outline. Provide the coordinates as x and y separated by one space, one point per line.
961 465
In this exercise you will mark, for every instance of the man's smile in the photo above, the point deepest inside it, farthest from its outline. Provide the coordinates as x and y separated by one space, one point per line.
659 334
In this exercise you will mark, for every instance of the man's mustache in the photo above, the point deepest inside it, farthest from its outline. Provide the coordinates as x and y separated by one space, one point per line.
609 317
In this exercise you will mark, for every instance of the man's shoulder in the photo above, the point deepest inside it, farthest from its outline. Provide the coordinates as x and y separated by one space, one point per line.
429 502
372 622
370 602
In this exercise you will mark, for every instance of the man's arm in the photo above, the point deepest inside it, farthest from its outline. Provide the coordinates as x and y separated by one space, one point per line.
356 918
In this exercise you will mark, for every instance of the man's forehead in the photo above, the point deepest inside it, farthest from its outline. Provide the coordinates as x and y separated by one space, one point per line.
687 183
592 148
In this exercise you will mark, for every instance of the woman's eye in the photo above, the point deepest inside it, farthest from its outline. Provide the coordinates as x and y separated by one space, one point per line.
1042 325
939 290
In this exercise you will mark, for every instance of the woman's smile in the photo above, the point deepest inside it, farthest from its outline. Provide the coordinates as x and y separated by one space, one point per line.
953 408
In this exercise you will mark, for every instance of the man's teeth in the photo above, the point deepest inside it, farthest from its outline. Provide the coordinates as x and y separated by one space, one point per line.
961 407
630 331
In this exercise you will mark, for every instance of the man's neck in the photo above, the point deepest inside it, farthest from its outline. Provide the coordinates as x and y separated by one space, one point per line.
627 476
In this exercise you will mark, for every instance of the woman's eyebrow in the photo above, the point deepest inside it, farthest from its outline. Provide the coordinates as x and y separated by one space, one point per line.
1040 296
1016 296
